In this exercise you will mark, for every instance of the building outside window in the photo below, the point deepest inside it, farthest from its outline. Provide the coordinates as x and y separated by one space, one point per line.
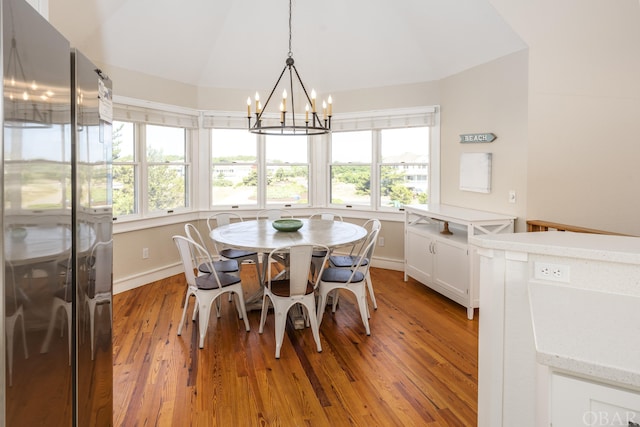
404 166
234 168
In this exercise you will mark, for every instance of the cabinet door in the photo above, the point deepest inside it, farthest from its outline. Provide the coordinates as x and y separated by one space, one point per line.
451 271
577 402
419 257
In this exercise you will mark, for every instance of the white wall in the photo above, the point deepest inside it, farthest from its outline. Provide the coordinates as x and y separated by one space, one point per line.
584 110
488 98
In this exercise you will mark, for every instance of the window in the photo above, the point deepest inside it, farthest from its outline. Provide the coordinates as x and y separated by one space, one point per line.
240 177
399 157
403 168
234 168
125 169
151 161
376 161
167 168
287 170
37 158
350 170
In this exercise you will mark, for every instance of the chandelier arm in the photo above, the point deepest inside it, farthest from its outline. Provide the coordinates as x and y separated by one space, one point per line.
293 105
272 90
304 89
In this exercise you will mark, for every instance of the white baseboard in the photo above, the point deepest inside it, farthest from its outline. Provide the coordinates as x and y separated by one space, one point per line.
142 279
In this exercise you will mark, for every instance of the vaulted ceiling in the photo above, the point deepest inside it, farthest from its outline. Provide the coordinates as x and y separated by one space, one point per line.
242 44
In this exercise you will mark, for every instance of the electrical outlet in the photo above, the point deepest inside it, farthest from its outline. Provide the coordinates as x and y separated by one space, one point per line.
380 241
145 253
553 272
512 196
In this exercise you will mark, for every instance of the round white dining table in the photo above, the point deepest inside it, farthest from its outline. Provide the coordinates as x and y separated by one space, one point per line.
260 236
41 243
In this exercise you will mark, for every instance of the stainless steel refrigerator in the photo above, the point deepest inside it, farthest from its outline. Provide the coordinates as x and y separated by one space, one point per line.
57 229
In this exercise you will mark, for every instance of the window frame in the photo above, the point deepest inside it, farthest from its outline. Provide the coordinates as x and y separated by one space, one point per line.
376 122
140 116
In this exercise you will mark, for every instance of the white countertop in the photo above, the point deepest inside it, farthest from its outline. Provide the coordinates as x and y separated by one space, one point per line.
599 334
599 247
591 325
455 213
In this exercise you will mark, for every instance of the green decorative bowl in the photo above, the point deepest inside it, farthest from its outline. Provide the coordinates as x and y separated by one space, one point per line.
18 233
287 224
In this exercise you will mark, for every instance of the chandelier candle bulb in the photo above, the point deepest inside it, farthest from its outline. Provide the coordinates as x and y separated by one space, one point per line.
284 100
324 109
306 113
313 100
330 105
257 102
249 107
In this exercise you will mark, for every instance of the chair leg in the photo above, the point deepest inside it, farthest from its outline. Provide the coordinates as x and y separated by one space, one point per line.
263 314
361 295
67 308
322 304
370 288
92 314
24 335
313 321
10 323
256 261
334 302
184 312
242 310
57 304
218 313
203 320
280 324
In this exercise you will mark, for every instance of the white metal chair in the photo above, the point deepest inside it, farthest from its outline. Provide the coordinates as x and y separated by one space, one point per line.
229 266
238 255
320 256
352 279
99 292
273 214
14 313
223 265
348 261
298 288
62 298
206 288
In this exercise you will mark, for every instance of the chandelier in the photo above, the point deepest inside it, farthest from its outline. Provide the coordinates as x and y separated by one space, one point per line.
26 109
290 124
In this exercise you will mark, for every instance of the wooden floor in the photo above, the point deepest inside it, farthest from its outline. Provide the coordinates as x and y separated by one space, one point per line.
418 368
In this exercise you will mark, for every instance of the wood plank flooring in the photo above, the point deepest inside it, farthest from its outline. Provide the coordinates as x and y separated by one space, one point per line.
418 367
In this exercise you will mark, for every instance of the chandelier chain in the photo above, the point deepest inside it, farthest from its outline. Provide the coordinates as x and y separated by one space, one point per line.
290 51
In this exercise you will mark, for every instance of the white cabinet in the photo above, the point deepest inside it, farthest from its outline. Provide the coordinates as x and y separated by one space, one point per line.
577 402
444 261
